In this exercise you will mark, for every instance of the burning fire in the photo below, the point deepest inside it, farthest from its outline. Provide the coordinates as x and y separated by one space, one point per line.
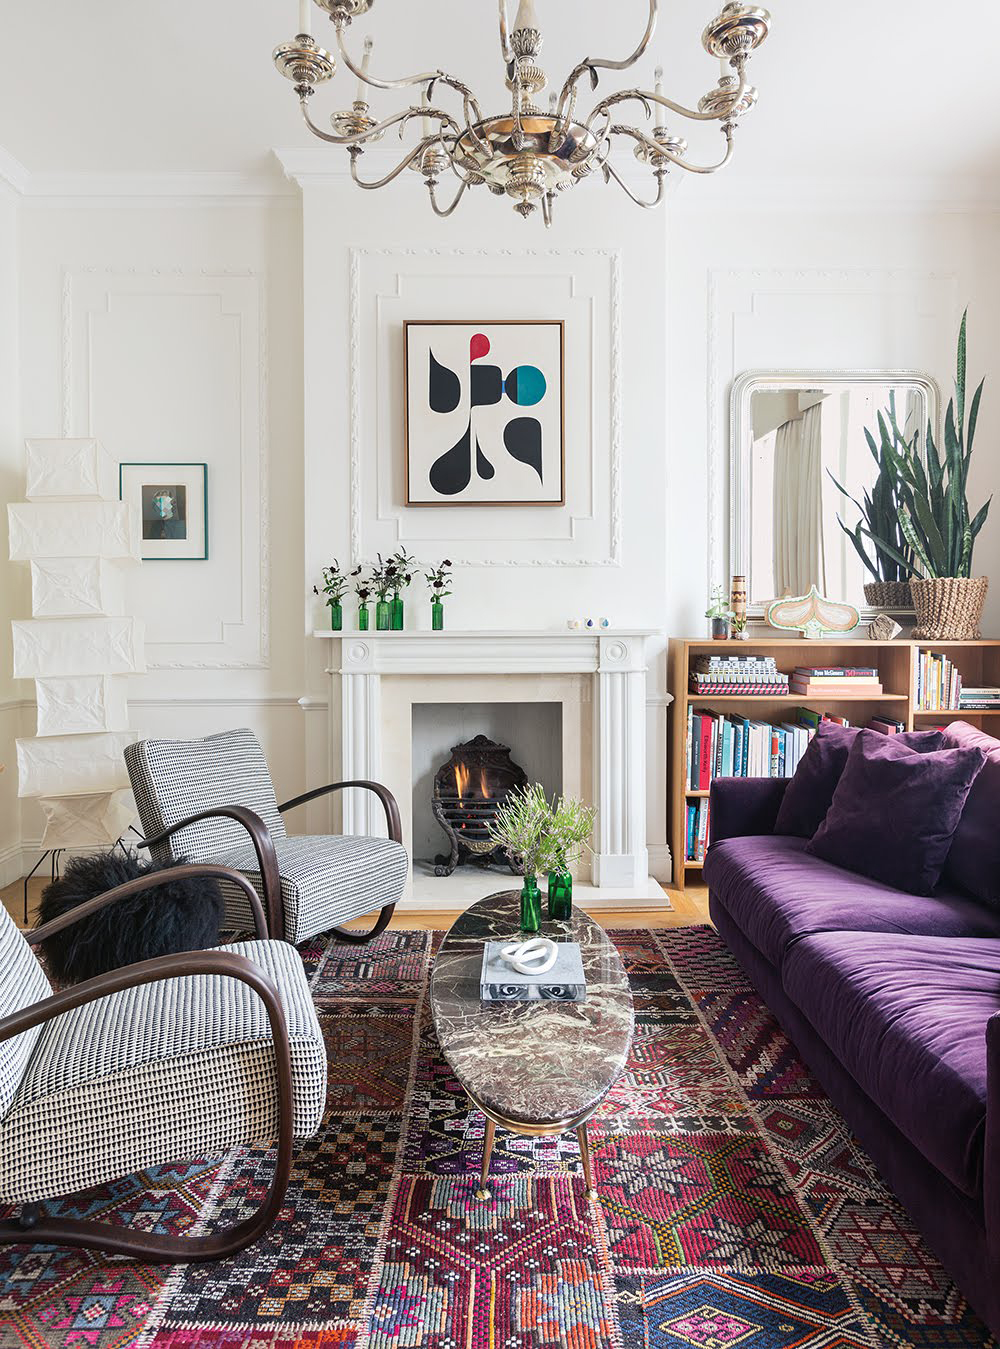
463 778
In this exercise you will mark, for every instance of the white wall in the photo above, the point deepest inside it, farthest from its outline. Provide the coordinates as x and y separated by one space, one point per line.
795 288
373 261
12 589
172 331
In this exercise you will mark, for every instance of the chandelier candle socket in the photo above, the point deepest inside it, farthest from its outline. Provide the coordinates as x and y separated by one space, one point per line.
527 155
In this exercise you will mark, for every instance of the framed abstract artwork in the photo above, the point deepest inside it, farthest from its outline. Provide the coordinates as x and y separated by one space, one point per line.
171 501
485 412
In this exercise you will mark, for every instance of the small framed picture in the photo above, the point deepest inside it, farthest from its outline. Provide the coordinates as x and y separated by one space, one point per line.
171 501
484 403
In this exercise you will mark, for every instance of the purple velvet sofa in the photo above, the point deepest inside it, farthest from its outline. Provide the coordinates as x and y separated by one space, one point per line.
894 1002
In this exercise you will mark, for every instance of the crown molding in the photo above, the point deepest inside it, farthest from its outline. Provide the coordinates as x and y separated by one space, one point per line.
967 195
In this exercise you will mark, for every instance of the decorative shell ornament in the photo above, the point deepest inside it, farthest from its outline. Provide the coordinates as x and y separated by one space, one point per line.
882 628
813 615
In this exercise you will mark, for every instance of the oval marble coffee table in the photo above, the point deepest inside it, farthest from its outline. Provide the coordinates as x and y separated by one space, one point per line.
536 1068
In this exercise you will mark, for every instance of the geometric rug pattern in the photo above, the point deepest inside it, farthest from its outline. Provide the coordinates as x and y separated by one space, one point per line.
735 1209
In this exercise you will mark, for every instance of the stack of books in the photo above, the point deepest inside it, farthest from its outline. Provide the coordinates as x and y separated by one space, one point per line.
939 684
720 746
697 830
887 725
979 699
746 675
836 681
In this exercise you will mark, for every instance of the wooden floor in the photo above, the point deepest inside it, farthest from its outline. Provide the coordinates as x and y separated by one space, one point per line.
686 909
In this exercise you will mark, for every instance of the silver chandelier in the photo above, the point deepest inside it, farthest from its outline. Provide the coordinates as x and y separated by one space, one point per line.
527 154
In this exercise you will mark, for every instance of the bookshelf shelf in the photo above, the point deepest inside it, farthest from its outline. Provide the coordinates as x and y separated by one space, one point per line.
897 663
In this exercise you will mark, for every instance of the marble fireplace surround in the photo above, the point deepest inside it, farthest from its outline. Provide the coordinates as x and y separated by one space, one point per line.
598 677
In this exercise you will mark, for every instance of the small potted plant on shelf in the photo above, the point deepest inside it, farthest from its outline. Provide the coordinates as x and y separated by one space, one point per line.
719 613
520 826
567 836
936 522
335 586
439 580
401 566
363 591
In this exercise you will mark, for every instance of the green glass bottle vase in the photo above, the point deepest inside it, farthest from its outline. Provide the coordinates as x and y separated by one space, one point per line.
531 905
396 613
382 616
337 617
437 615
363 617
560 895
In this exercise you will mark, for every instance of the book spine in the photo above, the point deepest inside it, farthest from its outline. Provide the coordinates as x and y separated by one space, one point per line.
705 765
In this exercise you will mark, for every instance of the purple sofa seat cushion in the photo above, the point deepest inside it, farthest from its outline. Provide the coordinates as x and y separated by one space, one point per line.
906 1016
810 791
895 811
974 860
777 893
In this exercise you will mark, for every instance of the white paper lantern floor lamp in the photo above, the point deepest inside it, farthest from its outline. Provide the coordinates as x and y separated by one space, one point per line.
79 646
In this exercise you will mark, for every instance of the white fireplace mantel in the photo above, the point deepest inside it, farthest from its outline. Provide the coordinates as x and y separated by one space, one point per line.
615 658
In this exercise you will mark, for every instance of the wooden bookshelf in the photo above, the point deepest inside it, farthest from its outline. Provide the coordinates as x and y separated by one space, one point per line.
897 663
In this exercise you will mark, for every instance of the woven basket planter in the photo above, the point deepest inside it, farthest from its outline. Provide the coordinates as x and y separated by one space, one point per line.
888 595
949 609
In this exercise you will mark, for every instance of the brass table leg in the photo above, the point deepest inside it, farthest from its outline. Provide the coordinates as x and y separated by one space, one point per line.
484 1191
588 1177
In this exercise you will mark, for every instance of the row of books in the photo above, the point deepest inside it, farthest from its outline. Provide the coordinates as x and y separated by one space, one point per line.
738 674
747 675
729 746
939 684
851 681
697 830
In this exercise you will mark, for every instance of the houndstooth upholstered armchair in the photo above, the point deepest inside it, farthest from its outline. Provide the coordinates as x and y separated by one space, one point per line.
179 1057
212 800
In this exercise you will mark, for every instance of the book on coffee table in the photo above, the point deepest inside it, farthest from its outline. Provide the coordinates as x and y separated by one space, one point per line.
564 982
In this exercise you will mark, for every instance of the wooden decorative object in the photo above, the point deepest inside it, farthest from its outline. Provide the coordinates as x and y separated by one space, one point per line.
812 614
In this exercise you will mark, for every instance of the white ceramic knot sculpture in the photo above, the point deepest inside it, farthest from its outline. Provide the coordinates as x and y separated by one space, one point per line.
535 956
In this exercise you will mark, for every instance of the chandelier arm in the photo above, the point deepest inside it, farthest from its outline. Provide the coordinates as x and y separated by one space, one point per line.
547 209
644 96
656 148
446 211
661 183
593 63
376 131
473 112
382 182
506 50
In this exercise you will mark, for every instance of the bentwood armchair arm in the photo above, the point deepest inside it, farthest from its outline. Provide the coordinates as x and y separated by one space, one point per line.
395 829
263 846
205 869
34 1226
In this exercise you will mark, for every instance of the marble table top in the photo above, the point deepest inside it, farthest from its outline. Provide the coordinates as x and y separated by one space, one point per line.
535 1064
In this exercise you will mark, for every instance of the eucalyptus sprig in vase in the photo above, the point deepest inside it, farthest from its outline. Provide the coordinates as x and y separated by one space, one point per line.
567 838
334 587
520 826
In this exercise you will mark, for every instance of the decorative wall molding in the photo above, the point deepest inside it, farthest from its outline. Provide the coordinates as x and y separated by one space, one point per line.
356 338
244 640
735 294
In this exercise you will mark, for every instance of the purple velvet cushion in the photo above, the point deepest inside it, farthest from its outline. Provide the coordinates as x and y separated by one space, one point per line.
974 860
895 811
810 791
907 1016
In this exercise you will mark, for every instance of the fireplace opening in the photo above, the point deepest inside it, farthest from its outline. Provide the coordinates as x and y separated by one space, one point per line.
466 757
468 791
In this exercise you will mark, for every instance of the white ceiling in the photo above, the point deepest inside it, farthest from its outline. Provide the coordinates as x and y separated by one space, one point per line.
873 89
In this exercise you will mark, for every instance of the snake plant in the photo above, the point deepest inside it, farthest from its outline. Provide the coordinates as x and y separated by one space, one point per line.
934 514
881 509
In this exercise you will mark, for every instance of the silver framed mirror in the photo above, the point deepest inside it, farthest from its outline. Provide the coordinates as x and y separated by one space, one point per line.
794 435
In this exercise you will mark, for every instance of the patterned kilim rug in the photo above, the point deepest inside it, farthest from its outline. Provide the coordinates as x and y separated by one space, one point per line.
736 1211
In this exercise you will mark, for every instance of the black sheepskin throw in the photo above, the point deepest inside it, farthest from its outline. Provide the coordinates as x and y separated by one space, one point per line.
182 916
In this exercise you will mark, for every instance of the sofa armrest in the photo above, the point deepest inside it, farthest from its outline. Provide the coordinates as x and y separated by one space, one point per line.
742 806
991 1157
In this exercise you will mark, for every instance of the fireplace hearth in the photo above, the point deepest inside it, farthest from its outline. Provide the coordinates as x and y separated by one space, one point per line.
468 791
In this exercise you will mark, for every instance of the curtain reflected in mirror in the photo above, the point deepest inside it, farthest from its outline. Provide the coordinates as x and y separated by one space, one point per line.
796 441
